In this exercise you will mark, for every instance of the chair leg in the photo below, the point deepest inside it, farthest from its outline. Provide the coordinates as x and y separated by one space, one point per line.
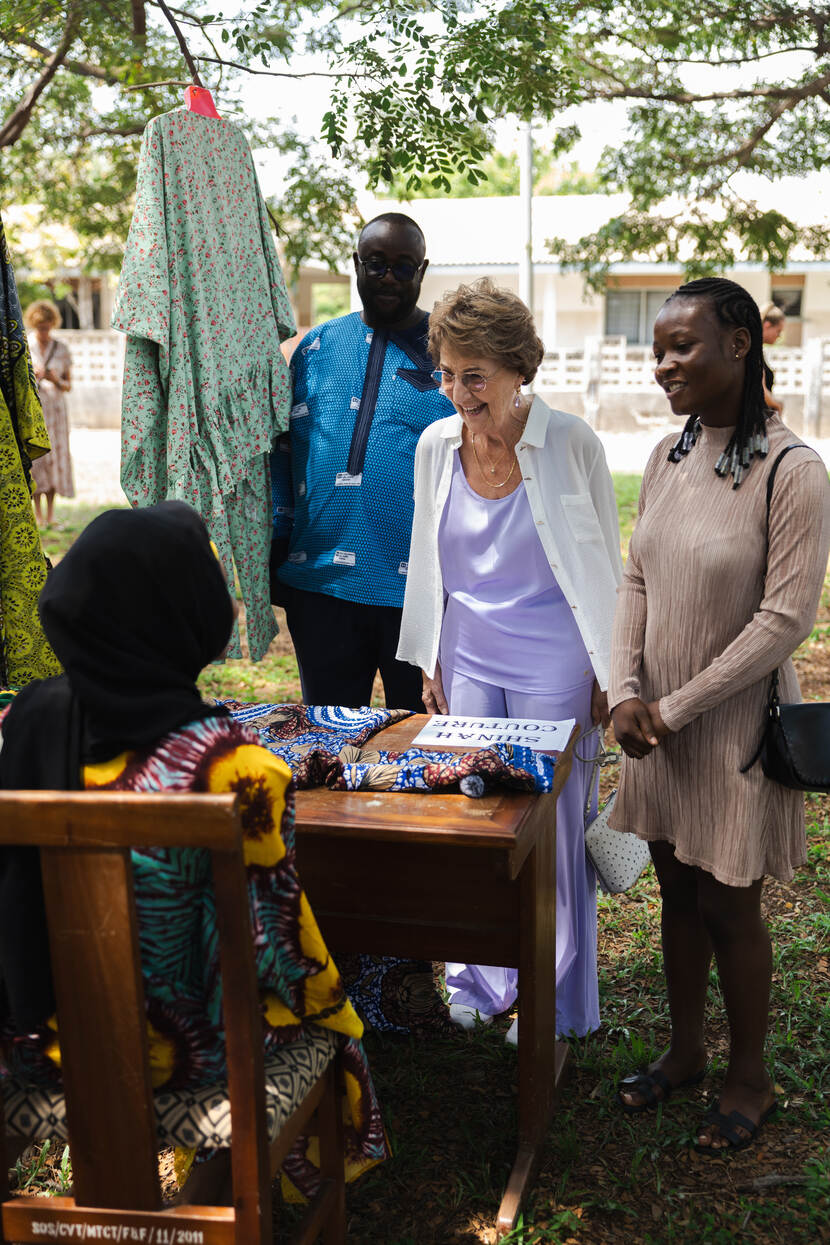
209 1183
5 1160
332 1155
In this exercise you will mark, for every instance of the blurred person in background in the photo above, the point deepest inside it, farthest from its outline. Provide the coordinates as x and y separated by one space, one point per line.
773 323
52 363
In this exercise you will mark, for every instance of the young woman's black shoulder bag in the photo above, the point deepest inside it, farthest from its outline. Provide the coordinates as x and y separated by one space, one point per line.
795 747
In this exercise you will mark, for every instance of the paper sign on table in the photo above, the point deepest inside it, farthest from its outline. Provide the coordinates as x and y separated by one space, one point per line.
450 731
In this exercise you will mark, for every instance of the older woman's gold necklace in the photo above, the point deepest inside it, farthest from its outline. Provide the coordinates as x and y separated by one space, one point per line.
492 466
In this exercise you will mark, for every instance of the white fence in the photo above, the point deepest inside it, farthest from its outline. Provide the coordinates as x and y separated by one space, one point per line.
619 368
606 379
97 356
98 359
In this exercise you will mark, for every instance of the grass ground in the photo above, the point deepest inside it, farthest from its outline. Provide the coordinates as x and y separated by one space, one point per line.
607 1178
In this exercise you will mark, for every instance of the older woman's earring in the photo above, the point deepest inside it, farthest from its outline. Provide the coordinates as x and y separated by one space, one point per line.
517 401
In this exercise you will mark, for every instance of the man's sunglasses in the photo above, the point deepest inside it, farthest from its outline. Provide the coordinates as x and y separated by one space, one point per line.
402 270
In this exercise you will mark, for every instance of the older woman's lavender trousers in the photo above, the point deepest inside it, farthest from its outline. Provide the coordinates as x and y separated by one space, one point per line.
507 620
491 989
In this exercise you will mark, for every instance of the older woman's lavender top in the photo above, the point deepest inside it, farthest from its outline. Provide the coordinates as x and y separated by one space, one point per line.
506 621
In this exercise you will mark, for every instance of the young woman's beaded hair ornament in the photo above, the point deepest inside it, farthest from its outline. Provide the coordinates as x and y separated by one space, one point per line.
734 308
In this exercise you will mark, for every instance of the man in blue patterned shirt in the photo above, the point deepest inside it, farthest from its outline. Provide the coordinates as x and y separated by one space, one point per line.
342 477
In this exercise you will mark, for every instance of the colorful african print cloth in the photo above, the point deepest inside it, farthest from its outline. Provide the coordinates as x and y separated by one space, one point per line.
298 981
206 389
24 653
343 481
322 744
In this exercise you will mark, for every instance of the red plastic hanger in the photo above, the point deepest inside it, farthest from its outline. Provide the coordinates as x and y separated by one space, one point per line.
198 99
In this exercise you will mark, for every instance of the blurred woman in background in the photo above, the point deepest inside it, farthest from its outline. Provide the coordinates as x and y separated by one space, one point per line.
52 362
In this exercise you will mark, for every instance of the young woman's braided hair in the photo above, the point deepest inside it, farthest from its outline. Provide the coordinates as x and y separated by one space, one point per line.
734 308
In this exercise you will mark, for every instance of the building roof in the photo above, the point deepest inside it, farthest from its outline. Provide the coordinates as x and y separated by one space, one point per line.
489 230
473 232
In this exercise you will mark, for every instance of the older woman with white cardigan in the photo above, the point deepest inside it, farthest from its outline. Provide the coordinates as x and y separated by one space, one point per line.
510 593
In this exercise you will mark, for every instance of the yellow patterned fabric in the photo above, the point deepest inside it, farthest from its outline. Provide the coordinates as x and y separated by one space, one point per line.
24 652
299 983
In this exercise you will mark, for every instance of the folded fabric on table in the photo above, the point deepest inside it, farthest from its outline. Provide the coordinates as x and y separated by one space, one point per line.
323 745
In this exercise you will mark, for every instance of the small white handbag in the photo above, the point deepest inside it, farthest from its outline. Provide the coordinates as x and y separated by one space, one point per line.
617 856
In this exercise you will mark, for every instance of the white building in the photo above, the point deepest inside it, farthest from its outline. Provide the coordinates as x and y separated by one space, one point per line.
609 331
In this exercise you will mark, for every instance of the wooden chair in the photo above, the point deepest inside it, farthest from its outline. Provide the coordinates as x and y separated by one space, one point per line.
110 1111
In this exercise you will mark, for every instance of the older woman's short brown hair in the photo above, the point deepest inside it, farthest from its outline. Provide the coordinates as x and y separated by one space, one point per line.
42 311
483 320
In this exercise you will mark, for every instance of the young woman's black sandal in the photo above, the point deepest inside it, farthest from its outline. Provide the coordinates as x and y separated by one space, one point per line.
728 1125
646 1084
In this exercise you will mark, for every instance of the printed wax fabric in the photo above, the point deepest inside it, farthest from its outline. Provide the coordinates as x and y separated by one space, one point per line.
323 745
206 389
24 651
300 986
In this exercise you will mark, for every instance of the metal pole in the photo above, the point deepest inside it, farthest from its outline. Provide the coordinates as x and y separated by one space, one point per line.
526 212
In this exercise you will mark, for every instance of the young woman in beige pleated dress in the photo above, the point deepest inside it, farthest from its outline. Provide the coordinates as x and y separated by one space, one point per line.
706 612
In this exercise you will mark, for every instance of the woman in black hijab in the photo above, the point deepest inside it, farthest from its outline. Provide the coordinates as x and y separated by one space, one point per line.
134 611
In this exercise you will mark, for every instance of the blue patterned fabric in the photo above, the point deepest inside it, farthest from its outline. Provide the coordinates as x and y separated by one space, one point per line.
323 745
350 534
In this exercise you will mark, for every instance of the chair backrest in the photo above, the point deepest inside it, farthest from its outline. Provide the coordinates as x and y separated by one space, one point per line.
85 840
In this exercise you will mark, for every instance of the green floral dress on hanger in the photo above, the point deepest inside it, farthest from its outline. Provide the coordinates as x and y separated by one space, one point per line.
24 652
206 388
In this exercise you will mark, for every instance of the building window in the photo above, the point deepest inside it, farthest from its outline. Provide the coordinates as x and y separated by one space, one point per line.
69 316
788 298
631 314
80 306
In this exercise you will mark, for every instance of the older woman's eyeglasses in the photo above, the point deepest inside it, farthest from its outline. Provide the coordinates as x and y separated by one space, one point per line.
402 270
474 381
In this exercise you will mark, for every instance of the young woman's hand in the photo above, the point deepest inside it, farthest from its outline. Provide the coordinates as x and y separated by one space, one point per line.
638 726
433 694
599 706
660 728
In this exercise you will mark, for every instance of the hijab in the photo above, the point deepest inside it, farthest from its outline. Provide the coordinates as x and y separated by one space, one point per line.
134 611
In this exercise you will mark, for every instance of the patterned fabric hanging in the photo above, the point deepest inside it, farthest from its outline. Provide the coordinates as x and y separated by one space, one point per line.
24 652
206 389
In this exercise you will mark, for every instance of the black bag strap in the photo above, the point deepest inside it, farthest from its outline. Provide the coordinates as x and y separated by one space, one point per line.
797 445
772 699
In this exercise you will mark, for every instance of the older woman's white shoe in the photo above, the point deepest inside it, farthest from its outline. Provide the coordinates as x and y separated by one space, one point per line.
468 1017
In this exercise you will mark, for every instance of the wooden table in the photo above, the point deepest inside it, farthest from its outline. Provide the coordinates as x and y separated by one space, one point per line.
444 877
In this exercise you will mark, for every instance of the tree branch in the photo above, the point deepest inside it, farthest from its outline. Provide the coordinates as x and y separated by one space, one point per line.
277 73
152 86
113 131
626 90
84 68
22 115
191 64
139 19
743 151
